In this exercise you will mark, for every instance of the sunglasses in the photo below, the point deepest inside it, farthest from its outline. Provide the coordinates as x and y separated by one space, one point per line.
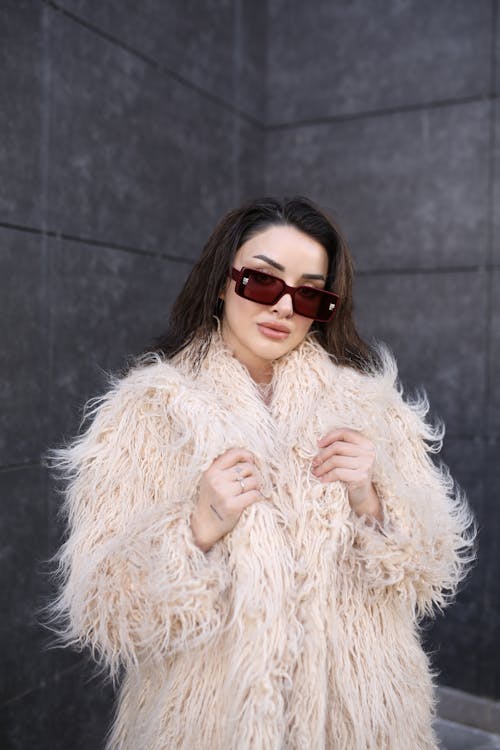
266 289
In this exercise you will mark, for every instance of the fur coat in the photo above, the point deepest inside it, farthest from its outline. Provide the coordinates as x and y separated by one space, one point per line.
299 629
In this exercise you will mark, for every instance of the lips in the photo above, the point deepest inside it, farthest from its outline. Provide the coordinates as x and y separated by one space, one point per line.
274 330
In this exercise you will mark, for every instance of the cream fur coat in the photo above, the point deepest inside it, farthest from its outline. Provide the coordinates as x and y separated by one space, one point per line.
299 629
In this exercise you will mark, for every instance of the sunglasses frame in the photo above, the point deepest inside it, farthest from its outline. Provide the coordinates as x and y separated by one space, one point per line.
239 278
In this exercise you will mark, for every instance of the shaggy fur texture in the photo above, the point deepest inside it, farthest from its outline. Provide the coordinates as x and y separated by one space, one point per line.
300 628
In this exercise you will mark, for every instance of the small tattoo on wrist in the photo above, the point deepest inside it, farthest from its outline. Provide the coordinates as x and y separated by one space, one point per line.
216 512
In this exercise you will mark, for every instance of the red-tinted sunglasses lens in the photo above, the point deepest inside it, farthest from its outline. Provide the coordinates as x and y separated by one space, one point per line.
313 303
266 289
261 287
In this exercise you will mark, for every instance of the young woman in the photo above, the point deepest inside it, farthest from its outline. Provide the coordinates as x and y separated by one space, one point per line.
255 525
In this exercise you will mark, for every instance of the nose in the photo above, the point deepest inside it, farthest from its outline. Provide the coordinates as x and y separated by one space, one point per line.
284 306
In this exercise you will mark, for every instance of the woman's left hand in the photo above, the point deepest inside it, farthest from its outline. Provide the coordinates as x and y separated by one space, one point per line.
348 456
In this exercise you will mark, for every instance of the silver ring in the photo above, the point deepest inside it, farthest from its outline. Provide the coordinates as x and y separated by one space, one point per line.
242 483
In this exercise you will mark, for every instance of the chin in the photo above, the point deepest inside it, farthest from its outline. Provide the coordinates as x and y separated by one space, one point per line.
275 349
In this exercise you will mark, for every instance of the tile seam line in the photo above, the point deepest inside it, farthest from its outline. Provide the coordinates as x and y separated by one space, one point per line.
96 243
373 113
235 82
494 23
155 64
28 691
33 464
491 226
425 270
189 261
47 254
486 734
488 582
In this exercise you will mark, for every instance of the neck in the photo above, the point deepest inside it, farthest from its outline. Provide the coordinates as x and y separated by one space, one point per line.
262 374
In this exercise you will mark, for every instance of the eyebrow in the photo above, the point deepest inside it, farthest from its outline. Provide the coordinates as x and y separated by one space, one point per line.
279 267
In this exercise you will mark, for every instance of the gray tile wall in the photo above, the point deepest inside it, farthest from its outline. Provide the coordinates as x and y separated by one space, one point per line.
128 129
332 59
387 115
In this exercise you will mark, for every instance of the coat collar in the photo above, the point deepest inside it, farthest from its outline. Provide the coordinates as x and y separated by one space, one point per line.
301 380
303 372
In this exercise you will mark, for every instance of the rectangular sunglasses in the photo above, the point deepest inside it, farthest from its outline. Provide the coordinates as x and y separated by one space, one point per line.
258 286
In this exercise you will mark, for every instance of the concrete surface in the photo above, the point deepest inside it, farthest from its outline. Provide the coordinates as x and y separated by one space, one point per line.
459 737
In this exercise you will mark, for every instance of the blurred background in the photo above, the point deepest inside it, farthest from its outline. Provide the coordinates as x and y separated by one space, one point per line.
127 129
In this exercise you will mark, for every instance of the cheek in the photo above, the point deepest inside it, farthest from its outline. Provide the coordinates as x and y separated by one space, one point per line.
237 310
304 326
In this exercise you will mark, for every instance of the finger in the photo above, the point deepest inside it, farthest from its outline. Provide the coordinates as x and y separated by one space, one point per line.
343 448
339 448
343 433
249 498
233 456
338 462
246 485
241 469
348 476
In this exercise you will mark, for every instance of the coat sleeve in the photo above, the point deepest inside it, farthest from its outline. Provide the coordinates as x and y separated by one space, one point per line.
133 584
425 544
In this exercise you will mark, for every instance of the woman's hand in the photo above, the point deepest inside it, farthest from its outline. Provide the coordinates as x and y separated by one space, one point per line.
230 485
347 456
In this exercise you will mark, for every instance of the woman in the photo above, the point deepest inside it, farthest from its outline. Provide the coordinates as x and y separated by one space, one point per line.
255 525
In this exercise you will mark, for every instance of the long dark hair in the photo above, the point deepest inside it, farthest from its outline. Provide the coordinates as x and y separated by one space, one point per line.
189 321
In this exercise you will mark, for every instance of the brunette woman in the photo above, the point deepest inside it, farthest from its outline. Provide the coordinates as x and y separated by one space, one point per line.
255 525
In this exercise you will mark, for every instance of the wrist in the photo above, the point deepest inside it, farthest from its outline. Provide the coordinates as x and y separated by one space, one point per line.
366 503
198 537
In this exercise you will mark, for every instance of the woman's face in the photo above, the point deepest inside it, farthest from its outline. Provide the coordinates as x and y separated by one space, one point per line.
258 334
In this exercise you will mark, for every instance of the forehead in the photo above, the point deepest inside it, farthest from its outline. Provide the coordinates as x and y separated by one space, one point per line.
288 246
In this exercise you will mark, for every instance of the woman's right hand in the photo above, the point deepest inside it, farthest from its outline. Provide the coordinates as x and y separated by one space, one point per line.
230 485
